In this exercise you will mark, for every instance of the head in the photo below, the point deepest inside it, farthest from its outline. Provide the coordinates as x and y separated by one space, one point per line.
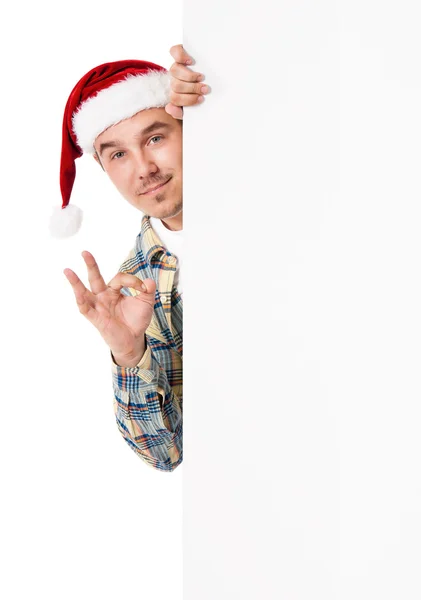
143 152
110 113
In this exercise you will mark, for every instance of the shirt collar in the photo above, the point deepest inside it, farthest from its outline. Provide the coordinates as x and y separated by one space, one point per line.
149 241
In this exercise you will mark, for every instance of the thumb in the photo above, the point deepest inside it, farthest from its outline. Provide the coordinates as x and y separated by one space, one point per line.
148 286
175 111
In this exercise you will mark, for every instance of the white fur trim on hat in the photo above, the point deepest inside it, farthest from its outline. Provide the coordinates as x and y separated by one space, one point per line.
120 101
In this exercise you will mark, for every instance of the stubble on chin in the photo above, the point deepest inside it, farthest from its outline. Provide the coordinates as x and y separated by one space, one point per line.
158 209
174 206
173 211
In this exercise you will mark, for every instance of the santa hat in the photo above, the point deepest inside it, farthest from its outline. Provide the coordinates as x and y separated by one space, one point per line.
103 97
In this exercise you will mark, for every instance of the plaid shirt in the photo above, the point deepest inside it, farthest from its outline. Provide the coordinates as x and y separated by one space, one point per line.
148 398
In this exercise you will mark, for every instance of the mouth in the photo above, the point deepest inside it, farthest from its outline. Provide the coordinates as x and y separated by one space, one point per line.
155 189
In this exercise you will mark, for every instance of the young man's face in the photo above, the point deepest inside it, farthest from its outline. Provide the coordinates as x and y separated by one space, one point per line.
142 153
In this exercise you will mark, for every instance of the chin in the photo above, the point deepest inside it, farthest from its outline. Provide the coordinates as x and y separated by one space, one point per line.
166 209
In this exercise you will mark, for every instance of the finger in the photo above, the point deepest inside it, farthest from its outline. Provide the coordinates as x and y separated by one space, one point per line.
185 99
84 298
127 280
184 87
184 73
96 281
175 111
150 286
179 54
79 289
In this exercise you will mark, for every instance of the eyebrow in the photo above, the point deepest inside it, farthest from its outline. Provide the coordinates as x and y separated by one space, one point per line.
149 129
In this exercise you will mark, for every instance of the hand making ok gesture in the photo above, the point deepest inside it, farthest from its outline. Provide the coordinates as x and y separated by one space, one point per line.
121 320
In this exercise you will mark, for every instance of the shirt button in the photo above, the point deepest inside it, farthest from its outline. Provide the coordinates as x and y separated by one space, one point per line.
163 298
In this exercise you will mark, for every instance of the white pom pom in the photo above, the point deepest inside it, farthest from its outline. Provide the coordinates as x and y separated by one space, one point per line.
65 222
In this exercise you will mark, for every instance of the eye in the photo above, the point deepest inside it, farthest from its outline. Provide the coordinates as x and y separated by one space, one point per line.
156 136
117 155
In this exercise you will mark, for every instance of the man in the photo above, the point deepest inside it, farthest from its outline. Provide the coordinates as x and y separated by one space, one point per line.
130 119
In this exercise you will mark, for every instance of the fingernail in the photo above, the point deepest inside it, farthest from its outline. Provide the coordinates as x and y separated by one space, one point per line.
189 61
200 98
143 287
200 78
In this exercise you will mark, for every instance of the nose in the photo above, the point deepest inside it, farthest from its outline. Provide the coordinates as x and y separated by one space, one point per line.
144 164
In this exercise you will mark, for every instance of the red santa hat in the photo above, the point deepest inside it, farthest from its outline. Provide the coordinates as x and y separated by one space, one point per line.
103 97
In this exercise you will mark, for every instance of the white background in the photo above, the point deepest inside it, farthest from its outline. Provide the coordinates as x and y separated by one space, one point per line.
302 447
81 515
302 384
